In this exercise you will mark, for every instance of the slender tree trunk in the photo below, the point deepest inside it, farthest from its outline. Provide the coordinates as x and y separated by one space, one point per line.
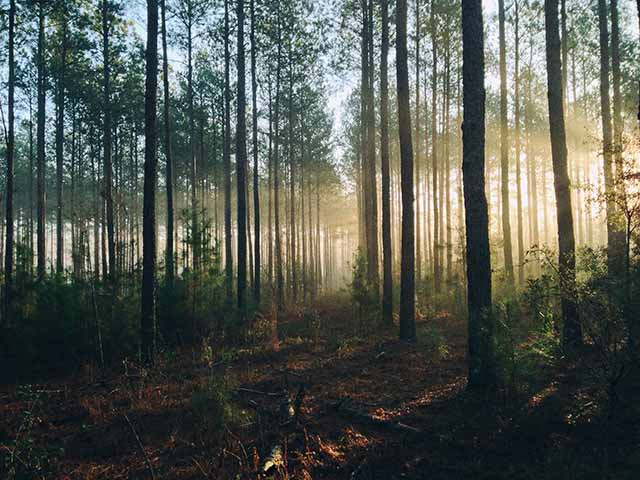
148 323
566 243
60 149
416 139
108 169
618 126
437 269
41 142
241 169
30 240
614 257
292 179
270 189
407 274
169 250
256 177
521 258
8 251
481 365
276 173
228 256
387 249
447 158
504 149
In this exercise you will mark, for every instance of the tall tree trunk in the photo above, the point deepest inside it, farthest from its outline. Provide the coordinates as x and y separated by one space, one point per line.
41 230
30 240
614 257
387 249
241 169
437 268
148 323
504 149
254 142
292 174
108 169
618 126
566 243
60 148
276 173
195 228
481 365
169 251
228 254
8 251
407 274
416 139
518 145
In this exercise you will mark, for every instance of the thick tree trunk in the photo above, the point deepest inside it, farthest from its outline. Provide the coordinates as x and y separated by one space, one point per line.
148 323
241 169
566 243
481 365
387 249
407 273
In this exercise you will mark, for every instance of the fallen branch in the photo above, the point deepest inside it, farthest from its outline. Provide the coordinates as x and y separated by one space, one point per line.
258 392
349 408
146 457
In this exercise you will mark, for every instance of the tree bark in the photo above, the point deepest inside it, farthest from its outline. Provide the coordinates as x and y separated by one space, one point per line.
276 172
60 147
387 249
256 178
41 165
241 169
518 160
107 163
148 323
228 256
618 126
614 258
437 268
407 274
572 335
10 145
481 365
169 250
504 149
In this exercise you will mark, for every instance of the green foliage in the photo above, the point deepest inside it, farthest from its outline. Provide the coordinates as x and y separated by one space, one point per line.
433 340
526 338
364 297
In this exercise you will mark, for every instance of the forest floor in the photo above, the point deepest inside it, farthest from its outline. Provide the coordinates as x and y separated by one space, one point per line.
323 405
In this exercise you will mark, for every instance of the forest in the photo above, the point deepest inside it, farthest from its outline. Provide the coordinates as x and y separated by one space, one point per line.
331 239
